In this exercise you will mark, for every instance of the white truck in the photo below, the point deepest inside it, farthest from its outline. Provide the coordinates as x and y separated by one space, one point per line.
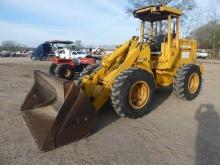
202 54
66 53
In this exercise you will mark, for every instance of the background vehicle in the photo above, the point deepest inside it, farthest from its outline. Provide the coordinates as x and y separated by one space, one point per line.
13 54
42 51
50 49
5 53
127 78
79 54
202 54
70 54
67 68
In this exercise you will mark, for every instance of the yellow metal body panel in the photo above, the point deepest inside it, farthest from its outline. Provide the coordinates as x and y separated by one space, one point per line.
172 59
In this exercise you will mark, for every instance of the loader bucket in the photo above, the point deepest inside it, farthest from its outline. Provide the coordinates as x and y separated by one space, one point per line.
57 112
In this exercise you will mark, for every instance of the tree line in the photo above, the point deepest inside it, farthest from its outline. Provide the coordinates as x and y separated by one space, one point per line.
12 46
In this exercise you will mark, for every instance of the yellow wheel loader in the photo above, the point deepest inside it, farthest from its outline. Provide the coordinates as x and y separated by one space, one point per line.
58 112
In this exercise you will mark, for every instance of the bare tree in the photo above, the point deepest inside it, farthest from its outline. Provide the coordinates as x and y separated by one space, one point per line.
205 36
213 17
182 4
194 20
11 46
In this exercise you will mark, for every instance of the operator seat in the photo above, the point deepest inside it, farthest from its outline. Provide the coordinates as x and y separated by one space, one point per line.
156 47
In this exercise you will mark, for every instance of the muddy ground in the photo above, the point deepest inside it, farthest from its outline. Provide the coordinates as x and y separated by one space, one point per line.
175 132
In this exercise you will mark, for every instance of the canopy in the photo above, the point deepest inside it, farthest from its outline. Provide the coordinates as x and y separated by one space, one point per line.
60 42
156 13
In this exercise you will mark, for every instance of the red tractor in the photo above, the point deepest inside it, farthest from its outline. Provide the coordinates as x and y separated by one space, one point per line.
66 68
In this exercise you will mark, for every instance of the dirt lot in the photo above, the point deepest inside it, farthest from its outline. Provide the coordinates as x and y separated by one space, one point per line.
175 132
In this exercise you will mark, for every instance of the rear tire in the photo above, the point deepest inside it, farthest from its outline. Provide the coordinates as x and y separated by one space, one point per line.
187 83
65 71
132 92
52 69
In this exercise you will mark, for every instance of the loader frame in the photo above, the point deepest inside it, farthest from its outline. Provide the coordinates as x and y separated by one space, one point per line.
174 53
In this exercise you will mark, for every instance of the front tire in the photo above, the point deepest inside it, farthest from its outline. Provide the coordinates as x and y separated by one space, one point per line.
187 83
89 69
33 58
132 92
65 71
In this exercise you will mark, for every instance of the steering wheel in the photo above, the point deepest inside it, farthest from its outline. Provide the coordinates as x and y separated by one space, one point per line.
149 38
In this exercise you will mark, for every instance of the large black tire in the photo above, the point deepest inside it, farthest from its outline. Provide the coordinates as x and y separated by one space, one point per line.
65 71
121 92
52 69
33 58
182 82
89 69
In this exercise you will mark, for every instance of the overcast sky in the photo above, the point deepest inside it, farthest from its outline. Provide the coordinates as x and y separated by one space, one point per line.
96 22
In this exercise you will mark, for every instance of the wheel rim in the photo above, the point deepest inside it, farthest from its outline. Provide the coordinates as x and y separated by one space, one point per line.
139 95
193 83
66 73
